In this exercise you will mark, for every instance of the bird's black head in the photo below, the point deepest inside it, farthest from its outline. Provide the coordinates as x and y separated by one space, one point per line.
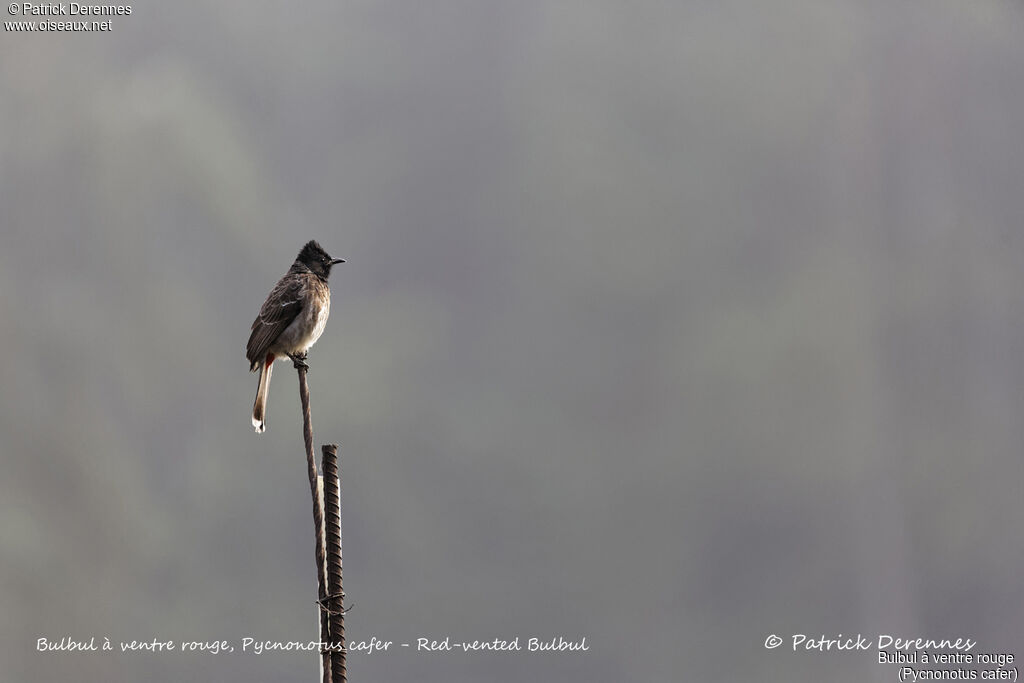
316 259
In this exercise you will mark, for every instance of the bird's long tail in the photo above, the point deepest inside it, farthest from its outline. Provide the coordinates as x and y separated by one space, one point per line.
259 408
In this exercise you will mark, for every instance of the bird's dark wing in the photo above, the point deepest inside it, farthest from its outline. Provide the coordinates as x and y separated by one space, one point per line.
279 310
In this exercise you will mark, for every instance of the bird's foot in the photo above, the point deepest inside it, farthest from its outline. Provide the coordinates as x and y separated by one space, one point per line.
299 361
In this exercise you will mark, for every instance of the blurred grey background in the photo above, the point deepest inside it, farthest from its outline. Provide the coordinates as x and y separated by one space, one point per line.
667 325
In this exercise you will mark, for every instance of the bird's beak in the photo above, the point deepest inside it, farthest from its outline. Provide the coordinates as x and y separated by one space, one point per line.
336 261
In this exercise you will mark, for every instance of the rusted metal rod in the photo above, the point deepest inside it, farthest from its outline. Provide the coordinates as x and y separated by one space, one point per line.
318 522
336 594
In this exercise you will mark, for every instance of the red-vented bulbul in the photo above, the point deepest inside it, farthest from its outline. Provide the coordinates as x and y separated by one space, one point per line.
291 320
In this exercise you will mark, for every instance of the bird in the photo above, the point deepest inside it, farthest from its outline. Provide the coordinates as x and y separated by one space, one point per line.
290 321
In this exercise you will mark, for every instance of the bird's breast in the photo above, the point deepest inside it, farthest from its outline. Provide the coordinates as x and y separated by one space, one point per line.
309 324
318 318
